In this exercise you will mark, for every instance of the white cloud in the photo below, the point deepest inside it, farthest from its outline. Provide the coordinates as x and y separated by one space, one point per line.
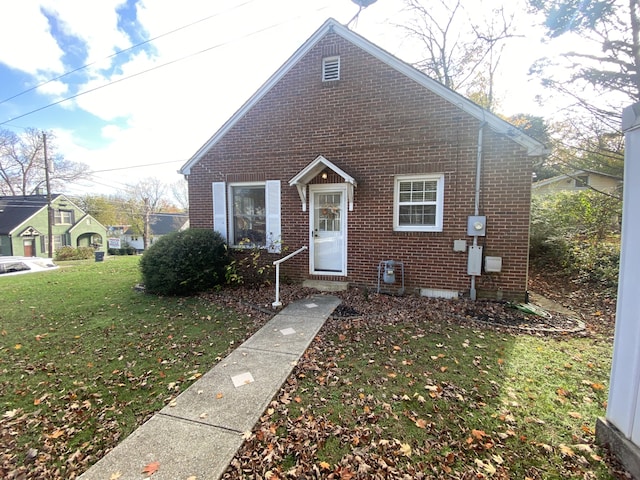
111 131
94 23
27 43
54 88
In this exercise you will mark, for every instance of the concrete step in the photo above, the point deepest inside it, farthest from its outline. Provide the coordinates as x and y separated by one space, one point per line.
326 285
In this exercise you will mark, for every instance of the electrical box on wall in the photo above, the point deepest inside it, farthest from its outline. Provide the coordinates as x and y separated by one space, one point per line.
492 264
460 245
477 225
474 262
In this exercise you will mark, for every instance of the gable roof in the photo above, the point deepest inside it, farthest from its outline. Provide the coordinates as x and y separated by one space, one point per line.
16 210
533 147
85 217
572 175
164 223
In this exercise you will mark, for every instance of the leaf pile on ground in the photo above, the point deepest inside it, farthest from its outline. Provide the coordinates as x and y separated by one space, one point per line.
412 388
392 387
359 303
594 305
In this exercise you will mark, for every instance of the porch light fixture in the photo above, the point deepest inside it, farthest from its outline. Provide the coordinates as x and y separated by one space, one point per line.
324 175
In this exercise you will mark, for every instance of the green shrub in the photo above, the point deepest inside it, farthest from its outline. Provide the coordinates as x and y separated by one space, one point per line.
596 262
249 267
71 253
577 234
125 249
184 263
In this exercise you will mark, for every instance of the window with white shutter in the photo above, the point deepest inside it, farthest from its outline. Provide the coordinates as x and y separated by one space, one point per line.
248 214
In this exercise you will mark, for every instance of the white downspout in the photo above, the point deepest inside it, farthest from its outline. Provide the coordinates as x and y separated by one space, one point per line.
476 207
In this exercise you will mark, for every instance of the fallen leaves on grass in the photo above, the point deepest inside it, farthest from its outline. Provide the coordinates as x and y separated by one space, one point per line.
373 431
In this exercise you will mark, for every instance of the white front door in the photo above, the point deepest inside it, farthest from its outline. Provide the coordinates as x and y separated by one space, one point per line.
328 220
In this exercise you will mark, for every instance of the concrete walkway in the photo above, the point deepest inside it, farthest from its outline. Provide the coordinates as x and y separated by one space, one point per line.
197 435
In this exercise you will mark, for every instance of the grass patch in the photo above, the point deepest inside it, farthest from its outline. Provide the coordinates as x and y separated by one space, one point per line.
421 397
85 359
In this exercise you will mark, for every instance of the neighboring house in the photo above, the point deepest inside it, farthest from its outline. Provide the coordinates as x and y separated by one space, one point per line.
362 158
161 224
577 181
24 226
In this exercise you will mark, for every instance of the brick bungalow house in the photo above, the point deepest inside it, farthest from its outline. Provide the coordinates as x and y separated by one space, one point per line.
357 155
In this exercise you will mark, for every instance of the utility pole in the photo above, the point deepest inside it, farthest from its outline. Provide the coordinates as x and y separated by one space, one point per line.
49 207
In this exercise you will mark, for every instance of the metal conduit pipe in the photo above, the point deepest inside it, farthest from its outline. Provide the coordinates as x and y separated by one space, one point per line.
476 207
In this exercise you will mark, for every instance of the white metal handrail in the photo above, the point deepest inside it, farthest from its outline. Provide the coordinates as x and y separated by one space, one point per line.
277 263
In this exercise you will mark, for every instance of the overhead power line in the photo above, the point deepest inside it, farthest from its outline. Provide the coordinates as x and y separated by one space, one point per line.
120 52
128 77
138 166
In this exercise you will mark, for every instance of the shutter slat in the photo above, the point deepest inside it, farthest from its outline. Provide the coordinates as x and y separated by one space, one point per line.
220 209
274 228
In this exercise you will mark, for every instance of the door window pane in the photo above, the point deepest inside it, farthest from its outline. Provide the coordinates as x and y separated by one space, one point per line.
328 212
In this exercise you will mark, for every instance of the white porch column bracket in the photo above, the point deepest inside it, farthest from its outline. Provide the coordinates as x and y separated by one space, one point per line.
302 191
350 195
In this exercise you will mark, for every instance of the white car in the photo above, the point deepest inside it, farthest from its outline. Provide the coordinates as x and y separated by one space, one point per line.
19 265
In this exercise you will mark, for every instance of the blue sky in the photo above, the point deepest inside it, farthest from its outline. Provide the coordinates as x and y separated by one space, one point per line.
207 59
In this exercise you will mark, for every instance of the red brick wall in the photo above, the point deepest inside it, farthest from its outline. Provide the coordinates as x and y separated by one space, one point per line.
375 123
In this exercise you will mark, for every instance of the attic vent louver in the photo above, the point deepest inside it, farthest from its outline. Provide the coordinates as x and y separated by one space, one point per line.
330 69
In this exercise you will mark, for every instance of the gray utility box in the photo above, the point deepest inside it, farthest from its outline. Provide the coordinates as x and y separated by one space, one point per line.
477 225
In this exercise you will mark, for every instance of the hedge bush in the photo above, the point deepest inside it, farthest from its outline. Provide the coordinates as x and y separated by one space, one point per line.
184 263
72 253
126 249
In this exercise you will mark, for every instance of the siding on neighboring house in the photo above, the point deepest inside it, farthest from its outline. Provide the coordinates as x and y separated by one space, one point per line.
377 125
576 182
24 226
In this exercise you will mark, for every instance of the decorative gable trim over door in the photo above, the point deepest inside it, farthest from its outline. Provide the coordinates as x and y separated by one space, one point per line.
314 168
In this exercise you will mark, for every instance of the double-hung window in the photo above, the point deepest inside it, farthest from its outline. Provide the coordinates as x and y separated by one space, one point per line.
248 214
63 217
418 203
248 224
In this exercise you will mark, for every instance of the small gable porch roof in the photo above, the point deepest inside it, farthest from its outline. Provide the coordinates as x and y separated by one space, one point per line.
309 172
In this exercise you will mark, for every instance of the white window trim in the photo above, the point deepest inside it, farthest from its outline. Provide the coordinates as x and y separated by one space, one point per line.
230 187
223 202
439 177
63 217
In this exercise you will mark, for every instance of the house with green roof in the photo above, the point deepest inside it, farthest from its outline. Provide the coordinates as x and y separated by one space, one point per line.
24 226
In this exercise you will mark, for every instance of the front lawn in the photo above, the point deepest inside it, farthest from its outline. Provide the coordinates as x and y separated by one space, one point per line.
85 359
418 391
405 388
